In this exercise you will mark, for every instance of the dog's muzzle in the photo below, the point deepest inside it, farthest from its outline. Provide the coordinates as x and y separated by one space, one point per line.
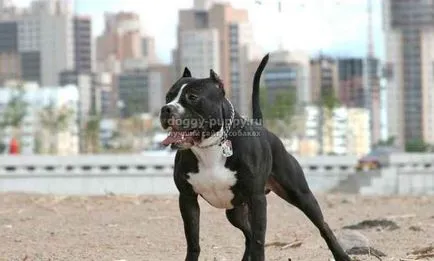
179 135
167 113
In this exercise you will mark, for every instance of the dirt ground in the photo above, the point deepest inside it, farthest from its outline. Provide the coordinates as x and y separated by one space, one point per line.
36 227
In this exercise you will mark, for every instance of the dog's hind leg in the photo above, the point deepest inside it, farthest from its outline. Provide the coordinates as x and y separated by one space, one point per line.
239 218
289 183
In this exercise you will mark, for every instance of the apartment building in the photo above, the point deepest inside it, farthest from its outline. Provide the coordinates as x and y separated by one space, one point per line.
37 43
123 44
345 132
409 37
324 77
133 87
105 85
161 78
10 62
215 35
45 41
359 87
351 84
286 71
143 90
83 47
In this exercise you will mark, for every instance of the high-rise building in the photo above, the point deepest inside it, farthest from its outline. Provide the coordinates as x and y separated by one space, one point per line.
286 71
200 51
123 46
351 85
121 37
106 84
324 77
372 79
143 90
125 51
82 74
89 93
161 78
8 12
204 4
324 81
217 36
10 64
148 49
36 42
45 41
409 39
83 49
86 91
133 87
121 40
354 90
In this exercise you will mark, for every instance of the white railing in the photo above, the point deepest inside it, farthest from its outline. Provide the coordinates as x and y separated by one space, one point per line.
130 174
152 174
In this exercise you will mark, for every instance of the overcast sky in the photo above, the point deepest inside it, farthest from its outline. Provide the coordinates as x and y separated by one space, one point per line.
335 26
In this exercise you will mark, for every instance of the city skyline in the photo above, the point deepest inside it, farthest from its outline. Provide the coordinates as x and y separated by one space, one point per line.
338 29
119 71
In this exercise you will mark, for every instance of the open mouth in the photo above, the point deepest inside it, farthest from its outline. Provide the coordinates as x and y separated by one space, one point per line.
182 137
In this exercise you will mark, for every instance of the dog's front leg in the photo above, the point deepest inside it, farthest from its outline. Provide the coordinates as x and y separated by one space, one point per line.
258 222
190 213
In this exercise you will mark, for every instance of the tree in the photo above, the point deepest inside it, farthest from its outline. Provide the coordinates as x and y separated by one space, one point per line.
38 143
55 120
390 141
2 146
279 114
416 145
328 103
91 133
15 112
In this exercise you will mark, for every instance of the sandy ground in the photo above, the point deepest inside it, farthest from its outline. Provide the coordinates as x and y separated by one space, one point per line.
35 227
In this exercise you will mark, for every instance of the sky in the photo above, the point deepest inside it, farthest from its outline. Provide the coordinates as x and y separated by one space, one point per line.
337 27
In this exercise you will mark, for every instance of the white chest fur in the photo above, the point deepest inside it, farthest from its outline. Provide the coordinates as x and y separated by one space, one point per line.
213 181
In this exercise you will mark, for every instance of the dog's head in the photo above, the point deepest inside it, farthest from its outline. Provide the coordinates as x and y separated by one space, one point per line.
193 110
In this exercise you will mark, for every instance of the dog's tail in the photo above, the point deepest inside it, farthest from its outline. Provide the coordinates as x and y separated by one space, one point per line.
256 107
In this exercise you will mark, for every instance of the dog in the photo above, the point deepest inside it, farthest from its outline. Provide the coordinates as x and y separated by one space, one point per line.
232 163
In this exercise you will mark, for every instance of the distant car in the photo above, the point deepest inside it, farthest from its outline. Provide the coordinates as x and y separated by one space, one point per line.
373 160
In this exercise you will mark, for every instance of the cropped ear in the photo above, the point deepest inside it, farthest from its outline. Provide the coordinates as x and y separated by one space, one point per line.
186 72
213 75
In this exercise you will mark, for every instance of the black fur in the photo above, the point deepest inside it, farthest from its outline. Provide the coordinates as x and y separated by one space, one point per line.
256 107
186 72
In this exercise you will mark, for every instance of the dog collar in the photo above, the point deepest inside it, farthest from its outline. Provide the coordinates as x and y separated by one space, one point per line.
226 129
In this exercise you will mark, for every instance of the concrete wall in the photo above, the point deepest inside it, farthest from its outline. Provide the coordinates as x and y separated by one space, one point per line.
129 174
152 174
403 174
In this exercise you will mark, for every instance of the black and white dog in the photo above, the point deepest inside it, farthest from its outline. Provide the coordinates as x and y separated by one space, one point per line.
232 163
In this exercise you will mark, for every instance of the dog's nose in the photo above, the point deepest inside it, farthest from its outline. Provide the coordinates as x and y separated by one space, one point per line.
165 114
167 110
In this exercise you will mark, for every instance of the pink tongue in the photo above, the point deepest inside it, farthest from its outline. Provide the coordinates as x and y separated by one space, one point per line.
173 137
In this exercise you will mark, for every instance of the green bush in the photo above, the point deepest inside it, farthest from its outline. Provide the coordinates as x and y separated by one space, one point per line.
2 147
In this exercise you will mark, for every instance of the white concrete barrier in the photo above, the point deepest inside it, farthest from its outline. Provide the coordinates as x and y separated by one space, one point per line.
153 174
130 174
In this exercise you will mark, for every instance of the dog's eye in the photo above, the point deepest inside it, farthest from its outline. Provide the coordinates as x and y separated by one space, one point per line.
191 97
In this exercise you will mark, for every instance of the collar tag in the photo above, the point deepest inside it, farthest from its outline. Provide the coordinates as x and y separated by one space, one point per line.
227 148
